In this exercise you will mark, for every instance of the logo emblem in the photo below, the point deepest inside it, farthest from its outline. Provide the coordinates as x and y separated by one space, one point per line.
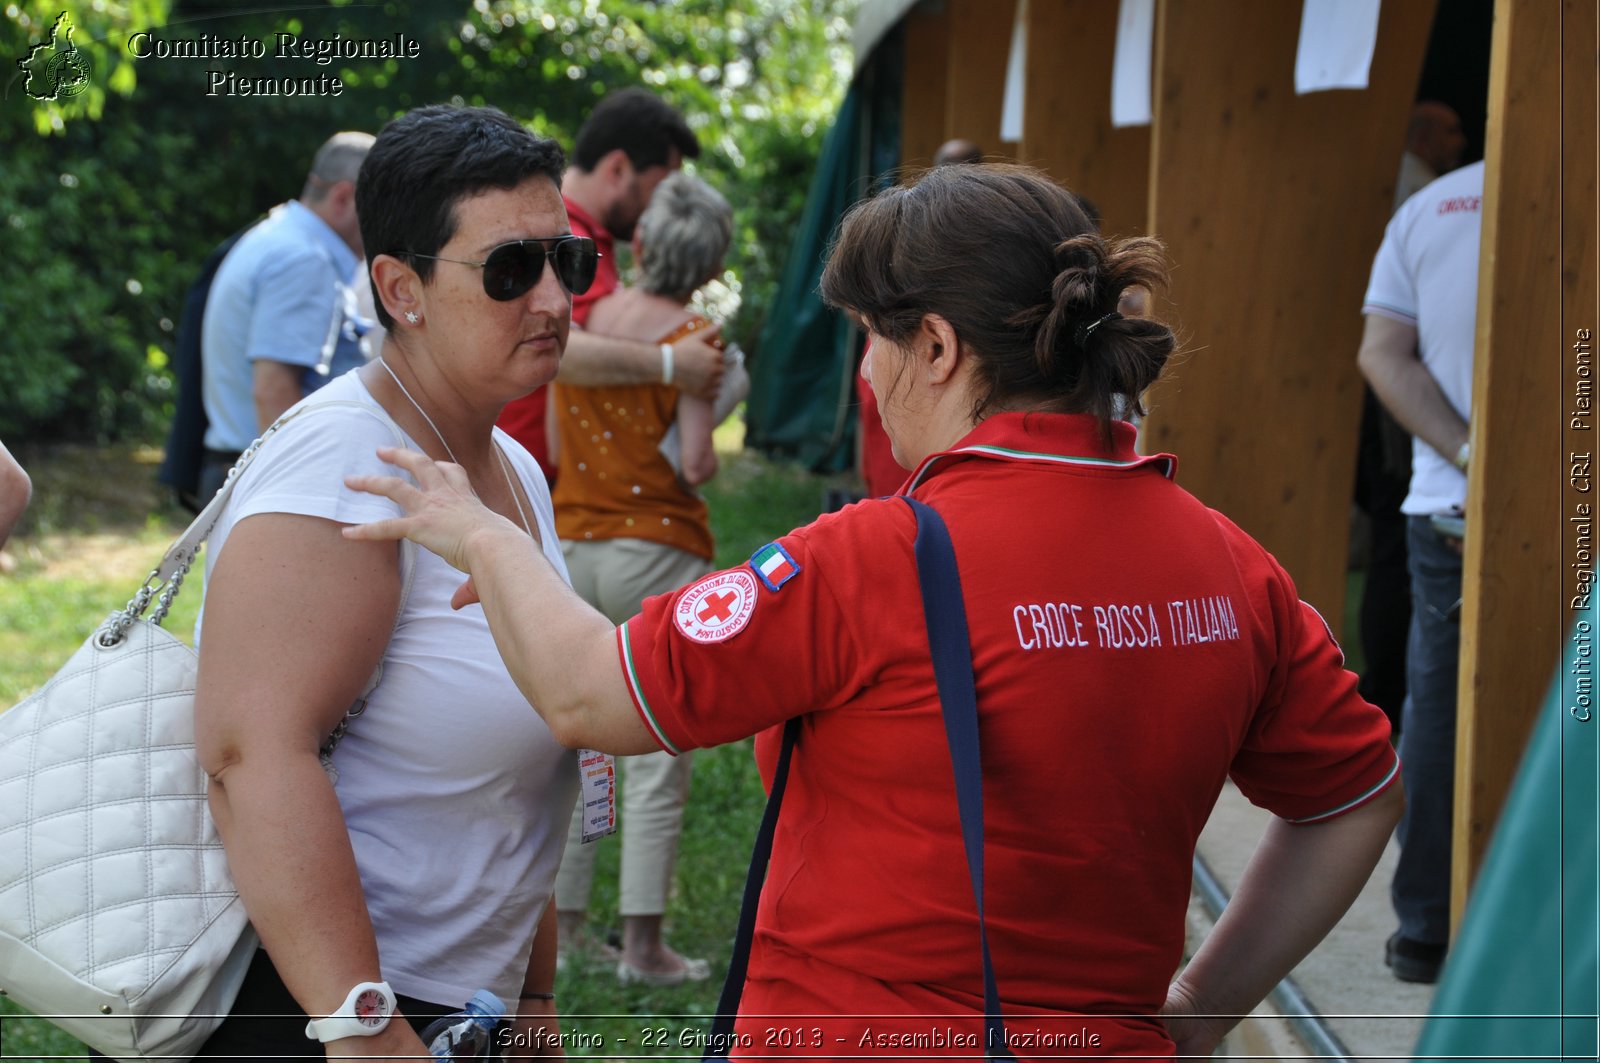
774 565
56 69
718 607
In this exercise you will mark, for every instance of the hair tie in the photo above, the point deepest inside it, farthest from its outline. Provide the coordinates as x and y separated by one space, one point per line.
1081 334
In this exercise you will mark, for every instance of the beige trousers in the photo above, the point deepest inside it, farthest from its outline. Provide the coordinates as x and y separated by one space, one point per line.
615 576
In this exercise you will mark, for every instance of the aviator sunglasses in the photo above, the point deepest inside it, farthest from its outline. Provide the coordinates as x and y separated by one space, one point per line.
512 269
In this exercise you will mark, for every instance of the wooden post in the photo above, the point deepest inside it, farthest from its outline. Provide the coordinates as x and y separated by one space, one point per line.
980 43
922 108
1066 127
1272 206
1513 616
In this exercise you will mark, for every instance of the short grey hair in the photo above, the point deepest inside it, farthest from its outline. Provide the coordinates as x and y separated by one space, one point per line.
683 235
339 159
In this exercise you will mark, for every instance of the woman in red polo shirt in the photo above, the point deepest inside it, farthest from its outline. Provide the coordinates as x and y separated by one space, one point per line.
1132 649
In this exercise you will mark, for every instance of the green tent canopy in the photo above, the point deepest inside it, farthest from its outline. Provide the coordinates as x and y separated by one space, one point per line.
1520 981
801 405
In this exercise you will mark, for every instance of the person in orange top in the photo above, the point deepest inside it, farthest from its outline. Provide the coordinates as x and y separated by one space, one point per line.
632 526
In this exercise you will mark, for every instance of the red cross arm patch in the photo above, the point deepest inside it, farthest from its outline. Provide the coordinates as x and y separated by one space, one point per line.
718 607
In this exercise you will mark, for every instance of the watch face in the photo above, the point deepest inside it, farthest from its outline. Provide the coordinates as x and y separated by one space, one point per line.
371 1008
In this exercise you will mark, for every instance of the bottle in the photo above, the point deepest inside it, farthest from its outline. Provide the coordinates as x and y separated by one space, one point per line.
469 1033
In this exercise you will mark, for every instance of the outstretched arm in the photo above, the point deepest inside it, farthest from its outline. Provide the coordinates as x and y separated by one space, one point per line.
1299 884
593 360
559 650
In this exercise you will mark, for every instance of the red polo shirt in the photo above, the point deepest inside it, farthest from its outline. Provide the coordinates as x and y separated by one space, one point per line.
1132 649
523 419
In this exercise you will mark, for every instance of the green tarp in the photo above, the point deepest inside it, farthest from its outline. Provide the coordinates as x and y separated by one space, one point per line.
1521 978
801 405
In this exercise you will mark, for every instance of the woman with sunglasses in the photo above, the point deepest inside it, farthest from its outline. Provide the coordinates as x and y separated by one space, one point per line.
418 867
1131 651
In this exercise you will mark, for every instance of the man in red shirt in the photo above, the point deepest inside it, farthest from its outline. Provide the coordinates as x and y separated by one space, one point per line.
629 142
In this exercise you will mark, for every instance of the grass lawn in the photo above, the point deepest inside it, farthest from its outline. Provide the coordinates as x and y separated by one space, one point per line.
99 524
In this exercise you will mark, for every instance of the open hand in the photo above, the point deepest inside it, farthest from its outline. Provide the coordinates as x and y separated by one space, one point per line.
442 512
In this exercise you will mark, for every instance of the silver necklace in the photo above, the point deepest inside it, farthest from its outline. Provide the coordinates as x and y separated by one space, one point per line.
504 468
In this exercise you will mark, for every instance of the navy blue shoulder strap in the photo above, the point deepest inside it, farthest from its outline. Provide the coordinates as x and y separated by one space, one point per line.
951 647
946 616
721 1039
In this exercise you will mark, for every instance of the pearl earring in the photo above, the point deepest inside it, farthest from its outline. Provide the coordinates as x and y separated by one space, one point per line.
411 316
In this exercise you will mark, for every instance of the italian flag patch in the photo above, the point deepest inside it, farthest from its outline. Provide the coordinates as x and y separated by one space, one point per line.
774 565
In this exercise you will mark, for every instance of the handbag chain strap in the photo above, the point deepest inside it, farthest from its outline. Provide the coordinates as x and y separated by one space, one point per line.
164 581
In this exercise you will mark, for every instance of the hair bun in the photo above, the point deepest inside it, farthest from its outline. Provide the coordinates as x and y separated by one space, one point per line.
1112 358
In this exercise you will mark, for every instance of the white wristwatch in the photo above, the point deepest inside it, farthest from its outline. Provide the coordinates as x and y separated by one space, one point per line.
365 1012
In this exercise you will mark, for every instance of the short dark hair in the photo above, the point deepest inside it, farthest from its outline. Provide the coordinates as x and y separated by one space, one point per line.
639 122
1011 260
430 159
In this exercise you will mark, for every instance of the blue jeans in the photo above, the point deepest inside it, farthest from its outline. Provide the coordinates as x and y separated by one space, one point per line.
1421 887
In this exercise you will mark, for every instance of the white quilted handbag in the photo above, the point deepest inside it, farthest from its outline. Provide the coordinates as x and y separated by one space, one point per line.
119 921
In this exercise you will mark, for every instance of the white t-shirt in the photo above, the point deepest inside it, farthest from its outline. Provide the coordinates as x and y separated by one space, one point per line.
456 795
1426 275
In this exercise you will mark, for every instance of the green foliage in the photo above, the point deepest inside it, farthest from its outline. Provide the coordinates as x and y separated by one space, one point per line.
98 31
88 261
108 215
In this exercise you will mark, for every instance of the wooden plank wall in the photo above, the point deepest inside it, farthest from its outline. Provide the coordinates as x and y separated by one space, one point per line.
1066 128
923 108
955 72
1512 618
956 53
1272 206
980 42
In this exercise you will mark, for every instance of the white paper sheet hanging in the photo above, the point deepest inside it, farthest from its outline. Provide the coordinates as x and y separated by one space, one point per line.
1337 39
1130 71
1016 77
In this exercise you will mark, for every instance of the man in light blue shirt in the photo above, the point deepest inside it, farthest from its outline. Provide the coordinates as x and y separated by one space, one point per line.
282 317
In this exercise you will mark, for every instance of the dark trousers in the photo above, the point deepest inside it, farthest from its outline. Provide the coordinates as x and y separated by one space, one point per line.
266 1025
1383 473
213 473
1421 888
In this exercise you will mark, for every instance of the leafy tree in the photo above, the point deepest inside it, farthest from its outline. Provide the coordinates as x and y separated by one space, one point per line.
110 199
